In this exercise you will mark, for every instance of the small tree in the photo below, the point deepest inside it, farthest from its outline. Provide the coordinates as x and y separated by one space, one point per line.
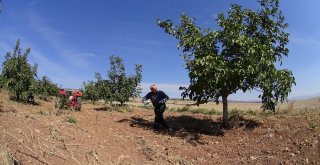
241 55
18 75
103 89
90 92
123 87
46 88
118 87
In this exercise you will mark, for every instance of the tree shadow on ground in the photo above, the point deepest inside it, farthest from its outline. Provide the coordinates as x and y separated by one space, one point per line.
191 128
241 122
105 108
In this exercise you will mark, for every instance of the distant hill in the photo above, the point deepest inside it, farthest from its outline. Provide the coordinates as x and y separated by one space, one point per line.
305 97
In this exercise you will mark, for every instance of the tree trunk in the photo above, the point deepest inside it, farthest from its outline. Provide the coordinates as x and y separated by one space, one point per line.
18 96
225 111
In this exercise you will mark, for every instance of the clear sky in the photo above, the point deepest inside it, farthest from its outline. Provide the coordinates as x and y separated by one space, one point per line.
70 40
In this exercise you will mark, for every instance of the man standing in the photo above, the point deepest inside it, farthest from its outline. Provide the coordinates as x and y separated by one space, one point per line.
158 99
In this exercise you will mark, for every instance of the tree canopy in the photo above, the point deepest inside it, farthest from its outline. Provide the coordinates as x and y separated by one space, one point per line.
46 88
118 87
244 53
18 75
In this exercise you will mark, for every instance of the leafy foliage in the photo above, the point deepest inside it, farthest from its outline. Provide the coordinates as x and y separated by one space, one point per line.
123 86
46 88
71 119
103 89
18 75
242 54
90 92
1 82
118 87
20 78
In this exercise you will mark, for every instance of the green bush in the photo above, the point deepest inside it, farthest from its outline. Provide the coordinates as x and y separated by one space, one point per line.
196 110
45 88
251 112
71 119
183 109
236 113
206 111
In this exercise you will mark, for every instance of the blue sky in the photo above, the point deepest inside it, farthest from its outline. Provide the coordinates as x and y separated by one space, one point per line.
70 40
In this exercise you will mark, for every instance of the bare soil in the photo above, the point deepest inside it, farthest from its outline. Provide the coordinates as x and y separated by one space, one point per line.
34 134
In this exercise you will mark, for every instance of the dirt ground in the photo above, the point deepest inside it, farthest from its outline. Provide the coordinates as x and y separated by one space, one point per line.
36 135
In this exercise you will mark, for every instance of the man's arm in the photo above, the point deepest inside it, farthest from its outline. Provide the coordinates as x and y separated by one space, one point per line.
145 98
164 98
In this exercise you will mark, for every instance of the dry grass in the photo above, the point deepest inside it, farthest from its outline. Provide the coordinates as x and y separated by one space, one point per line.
178 104
6 158
252 108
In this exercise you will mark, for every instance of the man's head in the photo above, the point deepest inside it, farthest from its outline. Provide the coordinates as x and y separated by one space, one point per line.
153 88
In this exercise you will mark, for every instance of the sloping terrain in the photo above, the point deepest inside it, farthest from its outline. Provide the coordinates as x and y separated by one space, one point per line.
36 135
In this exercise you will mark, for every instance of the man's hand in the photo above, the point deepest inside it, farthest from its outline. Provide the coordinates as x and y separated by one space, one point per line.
145 102
162 101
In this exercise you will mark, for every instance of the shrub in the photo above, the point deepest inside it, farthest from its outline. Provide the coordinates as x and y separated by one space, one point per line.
46 88
196 110
236 113
251 112
206 111
183 109
71 119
